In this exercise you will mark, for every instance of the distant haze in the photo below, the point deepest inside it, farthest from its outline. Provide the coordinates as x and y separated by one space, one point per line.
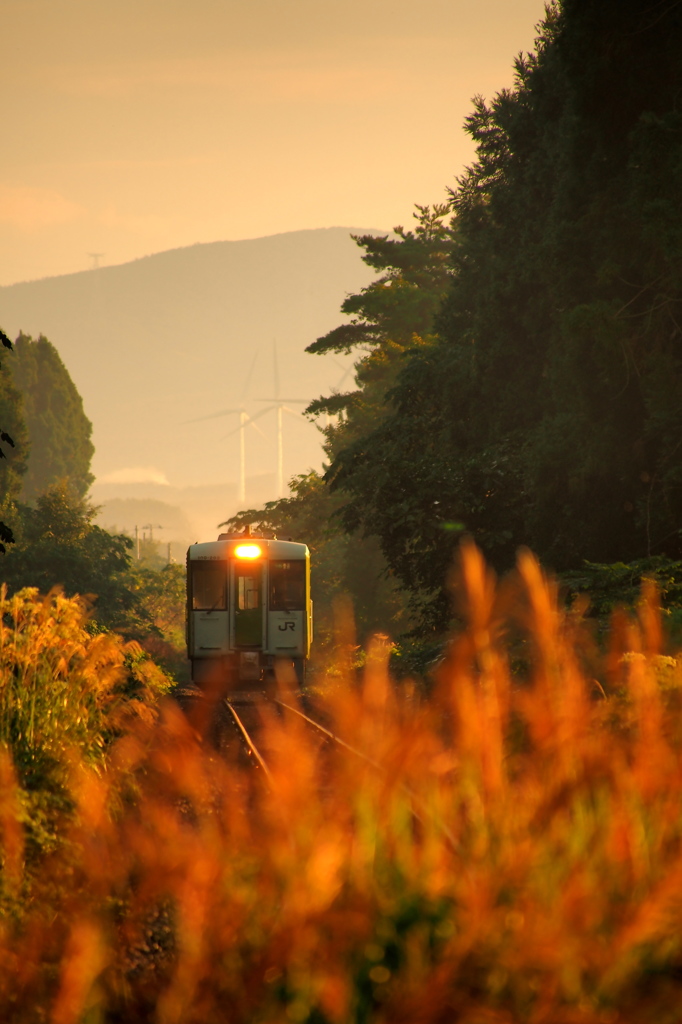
167 339
134 126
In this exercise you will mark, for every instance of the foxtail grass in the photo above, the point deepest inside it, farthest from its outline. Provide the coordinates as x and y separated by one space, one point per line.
509 850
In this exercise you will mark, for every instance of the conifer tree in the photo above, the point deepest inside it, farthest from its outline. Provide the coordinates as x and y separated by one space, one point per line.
548 411
12 454
58 429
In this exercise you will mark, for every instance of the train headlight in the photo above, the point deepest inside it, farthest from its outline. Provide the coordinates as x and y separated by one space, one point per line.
248 551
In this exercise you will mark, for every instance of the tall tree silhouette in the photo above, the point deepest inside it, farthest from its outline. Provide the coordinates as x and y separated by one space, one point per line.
6 535
548 410
59 432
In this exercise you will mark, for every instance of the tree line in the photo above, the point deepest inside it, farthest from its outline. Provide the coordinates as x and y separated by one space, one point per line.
49 528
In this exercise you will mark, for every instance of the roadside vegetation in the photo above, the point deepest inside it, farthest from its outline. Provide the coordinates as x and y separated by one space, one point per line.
66 693
512 854
57 545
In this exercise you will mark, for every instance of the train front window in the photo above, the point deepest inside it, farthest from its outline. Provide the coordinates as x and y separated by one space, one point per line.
248 611
248 592
287 586
209 586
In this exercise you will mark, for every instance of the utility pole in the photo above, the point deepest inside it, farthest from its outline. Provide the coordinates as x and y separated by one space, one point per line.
95 257
137 543
280 454
151 527
243 419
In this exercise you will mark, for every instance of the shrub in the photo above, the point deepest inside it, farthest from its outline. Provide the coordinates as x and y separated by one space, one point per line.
65 693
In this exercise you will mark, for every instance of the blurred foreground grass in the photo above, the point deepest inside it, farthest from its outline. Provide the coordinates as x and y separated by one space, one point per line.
516 857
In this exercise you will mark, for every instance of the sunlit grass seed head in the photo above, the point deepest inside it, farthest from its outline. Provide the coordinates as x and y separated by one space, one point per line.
506 850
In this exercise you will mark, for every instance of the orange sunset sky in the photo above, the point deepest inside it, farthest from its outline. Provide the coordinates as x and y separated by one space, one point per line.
133 126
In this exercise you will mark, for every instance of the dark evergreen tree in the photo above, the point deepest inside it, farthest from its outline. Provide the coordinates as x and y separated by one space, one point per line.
58 429
388 319
549 410
13 438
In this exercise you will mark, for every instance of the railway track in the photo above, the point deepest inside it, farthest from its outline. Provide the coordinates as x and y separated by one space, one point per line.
245 730
247 726
328 734
246 720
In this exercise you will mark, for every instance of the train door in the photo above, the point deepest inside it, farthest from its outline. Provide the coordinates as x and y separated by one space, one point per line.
248 604
209 633
287 602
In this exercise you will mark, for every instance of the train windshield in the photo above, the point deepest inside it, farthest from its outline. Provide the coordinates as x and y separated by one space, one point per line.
287 586
209 586
248 590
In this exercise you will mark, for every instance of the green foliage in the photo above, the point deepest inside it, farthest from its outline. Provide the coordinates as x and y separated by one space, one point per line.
619 585
58 545
157 619
58 429
153 554
13 459
548 409
65 692
389 318
414 271
163 595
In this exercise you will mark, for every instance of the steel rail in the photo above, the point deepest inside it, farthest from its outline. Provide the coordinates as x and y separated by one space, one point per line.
337 739
249 742
423 812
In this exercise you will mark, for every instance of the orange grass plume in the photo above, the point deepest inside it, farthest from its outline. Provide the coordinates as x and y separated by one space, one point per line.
508 849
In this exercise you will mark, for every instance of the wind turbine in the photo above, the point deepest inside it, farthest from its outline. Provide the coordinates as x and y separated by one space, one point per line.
346 371
279 404
244 421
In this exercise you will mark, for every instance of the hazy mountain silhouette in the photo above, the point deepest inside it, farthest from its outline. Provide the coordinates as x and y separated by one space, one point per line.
181 514
157 342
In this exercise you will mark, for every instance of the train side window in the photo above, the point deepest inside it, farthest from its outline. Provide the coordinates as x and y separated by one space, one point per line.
287 586
209 586
248 592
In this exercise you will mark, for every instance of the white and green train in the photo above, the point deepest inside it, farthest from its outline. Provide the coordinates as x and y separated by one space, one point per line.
248 608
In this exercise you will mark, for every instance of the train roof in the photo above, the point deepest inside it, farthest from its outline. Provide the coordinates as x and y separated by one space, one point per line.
223 548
